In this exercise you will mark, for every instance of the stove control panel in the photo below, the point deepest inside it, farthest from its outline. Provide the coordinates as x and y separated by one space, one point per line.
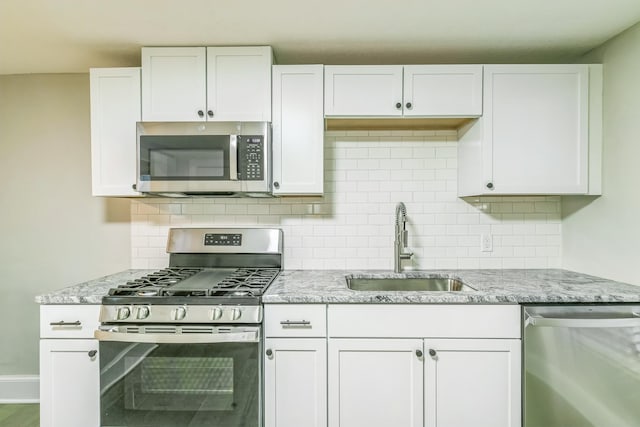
211 239
138 313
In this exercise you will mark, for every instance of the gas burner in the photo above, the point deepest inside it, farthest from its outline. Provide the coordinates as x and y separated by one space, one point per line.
240 293
254 278
147 292
165 277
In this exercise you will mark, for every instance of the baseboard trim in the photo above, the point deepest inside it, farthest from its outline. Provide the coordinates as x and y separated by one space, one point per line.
19 389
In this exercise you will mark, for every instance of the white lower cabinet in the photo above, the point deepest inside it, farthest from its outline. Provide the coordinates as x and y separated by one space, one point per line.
375 383
69 383
472 382
295 365
393 365
295 375
69 366
424 365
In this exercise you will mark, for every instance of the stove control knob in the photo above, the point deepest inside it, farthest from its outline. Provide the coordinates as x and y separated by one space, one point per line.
179 313
123 313
142 312
215 313
235 314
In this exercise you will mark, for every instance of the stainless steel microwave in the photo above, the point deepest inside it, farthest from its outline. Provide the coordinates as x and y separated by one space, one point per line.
204 159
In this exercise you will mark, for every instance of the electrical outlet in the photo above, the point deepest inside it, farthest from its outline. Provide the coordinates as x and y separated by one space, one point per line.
486 242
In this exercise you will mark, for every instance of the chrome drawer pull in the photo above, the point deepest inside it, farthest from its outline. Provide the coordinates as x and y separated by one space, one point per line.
299 324
77 323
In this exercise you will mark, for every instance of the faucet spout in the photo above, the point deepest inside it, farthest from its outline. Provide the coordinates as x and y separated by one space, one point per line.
401 237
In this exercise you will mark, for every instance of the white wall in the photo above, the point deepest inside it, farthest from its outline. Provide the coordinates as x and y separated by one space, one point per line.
602 236
53 232
351 227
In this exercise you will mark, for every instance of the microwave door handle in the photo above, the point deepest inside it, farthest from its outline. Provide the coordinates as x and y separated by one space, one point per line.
248 336
233 157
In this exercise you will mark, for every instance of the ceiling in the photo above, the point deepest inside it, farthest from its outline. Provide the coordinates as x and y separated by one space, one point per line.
60 36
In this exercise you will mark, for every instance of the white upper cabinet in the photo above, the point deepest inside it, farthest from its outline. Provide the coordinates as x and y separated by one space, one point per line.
540 132
239 83
410 90
115 109
298 130
214 83
174 83
443 90
363 90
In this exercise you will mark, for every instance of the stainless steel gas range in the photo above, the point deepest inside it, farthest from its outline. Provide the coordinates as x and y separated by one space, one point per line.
182 346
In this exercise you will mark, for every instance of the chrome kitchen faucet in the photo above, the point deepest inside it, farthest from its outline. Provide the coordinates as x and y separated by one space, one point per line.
401 238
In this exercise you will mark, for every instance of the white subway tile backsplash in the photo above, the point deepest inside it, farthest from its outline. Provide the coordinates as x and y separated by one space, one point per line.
351 226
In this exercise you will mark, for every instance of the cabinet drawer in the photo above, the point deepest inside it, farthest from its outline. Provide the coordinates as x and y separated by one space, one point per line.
417 321
69 321
300 320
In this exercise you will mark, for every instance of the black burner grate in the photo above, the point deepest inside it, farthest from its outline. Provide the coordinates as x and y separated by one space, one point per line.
243 282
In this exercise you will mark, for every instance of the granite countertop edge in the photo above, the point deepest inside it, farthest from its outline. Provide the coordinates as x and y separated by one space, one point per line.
534 286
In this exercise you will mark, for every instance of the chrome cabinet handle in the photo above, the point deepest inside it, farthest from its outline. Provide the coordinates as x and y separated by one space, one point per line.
409 105
419 353
210 113
269 352
432 352
92 353
77 323
304 324
200 113
398 105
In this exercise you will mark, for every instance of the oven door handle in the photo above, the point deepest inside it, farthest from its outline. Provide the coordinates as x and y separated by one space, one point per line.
204 338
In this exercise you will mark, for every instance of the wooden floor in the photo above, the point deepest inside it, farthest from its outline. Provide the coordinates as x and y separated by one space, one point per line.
22 415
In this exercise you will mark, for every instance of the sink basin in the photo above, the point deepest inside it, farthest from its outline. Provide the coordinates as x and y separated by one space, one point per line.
428 284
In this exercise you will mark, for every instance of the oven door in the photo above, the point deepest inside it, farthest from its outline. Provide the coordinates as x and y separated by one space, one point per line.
189 375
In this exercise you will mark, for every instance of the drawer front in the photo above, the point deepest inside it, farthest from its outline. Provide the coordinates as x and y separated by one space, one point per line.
299 320
417 321
69 321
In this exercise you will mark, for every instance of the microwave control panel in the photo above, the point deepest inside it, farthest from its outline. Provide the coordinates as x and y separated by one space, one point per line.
251 157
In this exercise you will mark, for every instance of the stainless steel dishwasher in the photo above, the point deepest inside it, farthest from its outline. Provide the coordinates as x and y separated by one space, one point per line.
581 366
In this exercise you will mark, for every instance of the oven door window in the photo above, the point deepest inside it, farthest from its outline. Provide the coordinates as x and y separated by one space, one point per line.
180 384
184 157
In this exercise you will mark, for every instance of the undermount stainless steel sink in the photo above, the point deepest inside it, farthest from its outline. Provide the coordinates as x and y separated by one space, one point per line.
425 284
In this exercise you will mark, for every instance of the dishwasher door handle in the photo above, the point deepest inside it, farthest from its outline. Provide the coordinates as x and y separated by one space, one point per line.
577 322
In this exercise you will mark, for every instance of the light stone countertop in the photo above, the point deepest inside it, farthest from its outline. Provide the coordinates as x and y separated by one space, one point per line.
491 287
329 286
90 292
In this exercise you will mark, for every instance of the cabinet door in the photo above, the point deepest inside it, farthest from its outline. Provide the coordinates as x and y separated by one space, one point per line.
69 383
375 383
115 109
174 84
295 372
363 90
443 90
239 83
298 130
472 383
536 129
